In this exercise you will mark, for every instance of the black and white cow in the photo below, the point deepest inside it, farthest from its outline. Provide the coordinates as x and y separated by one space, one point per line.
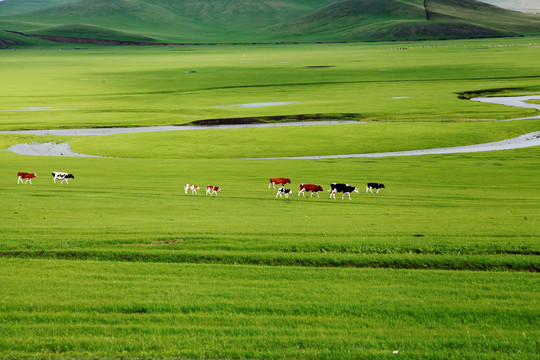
282 191
342 188
371 186
62 176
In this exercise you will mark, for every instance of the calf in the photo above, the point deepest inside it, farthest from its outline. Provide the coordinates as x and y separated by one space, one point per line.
212 190
342 188
311 188
62 176
25 176
371 186
282 191
281 181
191 187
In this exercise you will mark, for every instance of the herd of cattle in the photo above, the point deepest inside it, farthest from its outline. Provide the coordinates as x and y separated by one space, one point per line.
210 189
345 189
24 177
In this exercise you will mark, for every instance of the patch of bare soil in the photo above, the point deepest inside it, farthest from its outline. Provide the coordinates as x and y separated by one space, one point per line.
280 118
158 243
232 121
467 95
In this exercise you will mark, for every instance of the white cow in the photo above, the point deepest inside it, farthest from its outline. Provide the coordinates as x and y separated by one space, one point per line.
62 176
212 190
282 191
191 187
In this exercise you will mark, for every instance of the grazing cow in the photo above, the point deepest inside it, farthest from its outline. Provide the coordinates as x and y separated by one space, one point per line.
191 187
25 176
342 188
281 181
212 190
62 176
371 186
311 188
282 191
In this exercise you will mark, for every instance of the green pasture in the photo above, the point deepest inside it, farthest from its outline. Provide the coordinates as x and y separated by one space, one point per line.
88 309
463 204
121 263
134 86
298 140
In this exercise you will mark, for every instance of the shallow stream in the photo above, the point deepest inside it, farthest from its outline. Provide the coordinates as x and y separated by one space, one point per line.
63 149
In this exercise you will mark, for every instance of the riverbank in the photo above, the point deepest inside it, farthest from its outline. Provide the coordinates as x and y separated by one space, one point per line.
63 149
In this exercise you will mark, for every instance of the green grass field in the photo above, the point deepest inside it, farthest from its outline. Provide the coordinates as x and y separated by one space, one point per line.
120 263
122 310
136 86
300 140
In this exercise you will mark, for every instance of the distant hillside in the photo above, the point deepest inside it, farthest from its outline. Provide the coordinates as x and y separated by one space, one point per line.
12 7
408 20
8 40
181 21
241 14
482 14
356 19
93 32
172 20
347 15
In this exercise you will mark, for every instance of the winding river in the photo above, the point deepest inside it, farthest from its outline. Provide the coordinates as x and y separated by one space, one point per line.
63 149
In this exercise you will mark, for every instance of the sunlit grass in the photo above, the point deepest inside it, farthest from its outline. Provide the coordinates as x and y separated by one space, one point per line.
470 204
300 140
121 263
175 85
104 309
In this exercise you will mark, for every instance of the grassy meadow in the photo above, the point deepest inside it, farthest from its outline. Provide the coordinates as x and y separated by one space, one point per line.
299 140
135 86
121 263
128 310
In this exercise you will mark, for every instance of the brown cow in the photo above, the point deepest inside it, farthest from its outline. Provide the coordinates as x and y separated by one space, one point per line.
281 181
191 187
27 176
311 188
212 190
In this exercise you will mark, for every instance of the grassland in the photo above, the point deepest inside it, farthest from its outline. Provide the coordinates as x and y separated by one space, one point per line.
126 310
120 263
315 141
176 85
246 224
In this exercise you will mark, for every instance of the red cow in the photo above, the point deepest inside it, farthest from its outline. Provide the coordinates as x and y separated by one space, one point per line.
212 190
27 176
311 188
191 187
281 181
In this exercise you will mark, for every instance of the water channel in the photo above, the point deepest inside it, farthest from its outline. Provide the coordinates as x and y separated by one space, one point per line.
63 149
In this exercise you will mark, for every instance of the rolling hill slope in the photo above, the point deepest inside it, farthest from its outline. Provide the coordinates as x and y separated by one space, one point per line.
482 14
408 20
169 20
12 7
134 17
174 21
350 17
